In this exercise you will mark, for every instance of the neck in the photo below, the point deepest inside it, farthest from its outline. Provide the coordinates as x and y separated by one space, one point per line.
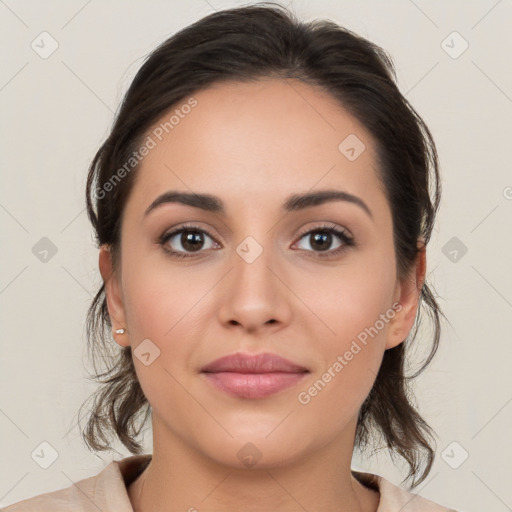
180 478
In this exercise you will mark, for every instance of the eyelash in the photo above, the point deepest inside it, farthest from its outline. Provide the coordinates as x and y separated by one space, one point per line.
326 228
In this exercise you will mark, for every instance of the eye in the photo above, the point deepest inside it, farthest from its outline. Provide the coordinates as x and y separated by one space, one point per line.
320 239
190 239
186 239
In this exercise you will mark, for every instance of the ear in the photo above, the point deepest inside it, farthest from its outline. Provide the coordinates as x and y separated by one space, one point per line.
407 294
114 296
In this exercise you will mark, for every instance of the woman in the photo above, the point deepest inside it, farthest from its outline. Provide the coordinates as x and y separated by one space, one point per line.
262 207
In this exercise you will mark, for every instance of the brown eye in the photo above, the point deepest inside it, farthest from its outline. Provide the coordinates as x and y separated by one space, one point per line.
185 240
191 240
321 239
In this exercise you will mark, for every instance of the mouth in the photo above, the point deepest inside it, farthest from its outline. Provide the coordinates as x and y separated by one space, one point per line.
253 376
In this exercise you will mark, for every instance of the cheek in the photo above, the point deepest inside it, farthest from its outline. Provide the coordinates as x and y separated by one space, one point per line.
353 309
350 355
159 295
164 307
351 301
160 305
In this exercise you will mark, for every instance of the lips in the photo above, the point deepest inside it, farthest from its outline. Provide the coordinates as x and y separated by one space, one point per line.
253 376
258 363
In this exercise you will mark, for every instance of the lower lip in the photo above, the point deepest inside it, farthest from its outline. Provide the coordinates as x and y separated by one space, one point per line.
253 385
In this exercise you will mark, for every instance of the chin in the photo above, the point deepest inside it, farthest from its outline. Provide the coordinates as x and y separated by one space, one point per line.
255 451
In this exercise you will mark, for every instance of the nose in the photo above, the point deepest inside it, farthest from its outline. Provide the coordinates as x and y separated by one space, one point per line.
253 296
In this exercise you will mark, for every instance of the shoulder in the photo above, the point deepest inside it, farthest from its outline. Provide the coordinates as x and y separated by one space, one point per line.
105 491
395 499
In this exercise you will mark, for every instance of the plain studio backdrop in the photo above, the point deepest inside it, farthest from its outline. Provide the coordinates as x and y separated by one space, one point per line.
65 67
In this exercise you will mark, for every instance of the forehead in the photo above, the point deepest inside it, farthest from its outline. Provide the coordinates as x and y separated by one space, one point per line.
254 141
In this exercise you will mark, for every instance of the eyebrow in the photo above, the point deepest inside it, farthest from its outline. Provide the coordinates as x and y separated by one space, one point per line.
293 203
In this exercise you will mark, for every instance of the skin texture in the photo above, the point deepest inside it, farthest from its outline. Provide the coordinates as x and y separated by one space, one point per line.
253 145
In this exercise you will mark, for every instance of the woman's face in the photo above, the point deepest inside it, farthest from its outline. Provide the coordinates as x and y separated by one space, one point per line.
259 275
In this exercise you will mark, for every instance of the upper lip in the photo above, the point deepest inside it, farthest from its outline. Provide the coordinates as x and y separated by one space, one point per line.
253 363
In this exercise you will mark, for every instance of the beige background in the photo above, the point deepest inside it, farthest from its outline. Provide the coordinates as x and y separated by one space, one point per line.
55 113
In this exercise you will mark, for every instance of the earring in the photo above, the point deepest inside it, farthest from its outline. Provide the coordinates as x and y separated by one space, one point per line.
120 331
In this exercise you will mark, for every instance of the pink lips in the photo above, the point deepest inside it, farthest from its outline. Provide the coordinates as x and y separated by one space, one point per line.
253 376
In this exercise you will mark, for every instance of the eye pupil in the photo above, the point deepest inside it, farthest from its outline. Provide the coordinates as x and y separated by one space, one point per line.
191 240
321 237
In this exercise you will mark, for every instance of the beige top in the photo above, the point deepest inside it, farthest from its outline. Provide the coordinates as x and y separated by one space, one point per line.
107 492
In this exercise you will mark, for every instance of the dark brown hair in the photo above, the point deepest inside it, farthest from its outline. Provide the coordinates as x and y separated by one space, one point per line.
265 40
